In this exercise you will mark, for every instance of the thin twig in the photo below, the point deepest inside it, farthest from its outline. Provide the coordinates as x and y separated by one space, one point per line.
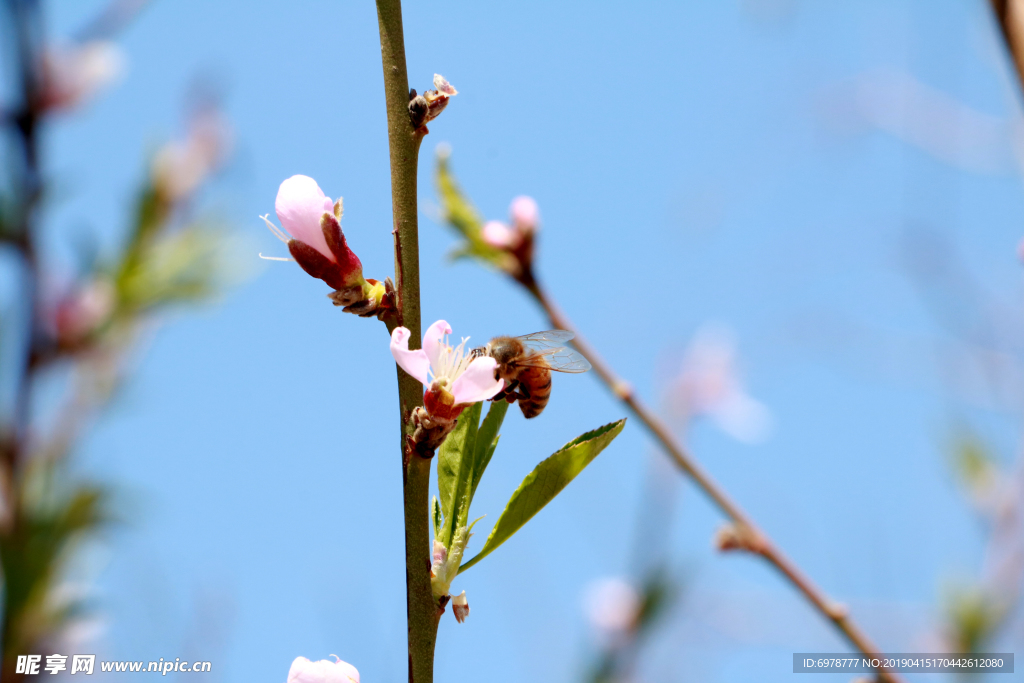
27 29
831 610
1010 15
404 143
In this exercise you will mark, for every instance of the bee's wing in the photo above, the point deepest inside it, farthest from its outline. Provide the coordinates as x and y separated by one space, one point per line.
549 339
549 353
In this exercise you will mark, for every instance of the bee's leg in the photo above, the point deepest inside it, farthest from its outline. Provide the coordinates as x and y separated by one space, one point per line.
510 391
524 391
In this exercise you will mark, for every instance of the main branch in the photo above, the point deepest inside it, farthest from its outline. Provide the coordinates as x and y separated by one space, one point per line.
404 143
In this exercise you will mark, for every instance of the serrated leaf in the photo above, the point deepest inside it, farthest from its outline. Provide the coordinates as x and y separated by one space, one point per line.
544 483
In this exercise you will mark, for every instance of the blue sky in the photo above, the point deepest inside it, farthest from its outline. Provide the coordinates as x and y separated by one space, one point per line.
692 162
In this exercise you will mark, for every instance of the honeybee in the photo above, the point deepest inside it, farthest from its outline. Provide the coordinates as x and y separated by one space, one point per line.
525 363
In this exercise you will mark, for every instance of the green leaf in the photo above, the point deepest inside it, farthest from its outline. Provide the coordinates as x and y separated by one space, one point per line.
461 462
545 482
454 470
458 211
487 441
461 215
436 516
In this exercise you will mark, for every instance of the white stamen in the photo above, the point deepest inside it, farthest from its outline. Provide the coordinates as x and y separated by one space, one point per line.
452 361
278 232
276 258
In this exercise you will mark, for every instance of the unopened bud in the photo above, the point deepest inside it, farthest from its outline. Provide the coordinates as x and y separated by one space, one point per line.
525 214
499 235
735 536
317 243
181 166
460 607
426 107
376 299
429 431
84 311
72 74
444 87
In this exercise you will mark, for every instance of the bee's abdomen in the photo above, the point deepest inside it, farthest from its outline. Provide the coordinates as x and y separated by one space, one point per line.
537 381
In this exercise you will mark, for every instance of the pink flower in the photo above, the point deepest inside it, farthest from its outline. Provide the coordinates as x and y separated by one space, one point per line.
72 74
323 671
709 385
612 605
444 87
84 310
454 376
314 235
300 205
179 167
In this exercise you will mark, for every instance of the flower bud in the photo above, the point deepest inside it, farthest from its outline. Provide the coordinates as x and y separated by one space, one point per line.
446 562
460 607
525 214
426 107
317 242
499 235
735 536
83 311
323 671
312 231
72 74
613 607
514 243
181 166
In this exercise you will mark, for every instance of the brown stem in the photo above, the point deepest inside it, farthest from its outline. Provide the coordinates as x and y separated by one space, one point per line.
832 611
404 143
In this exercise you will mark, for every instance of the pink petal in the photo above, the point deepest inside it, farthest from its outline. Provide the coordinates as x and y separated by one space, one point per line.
415 362
497 234
323 671
443 86
525 213
300 204
477 383
432 341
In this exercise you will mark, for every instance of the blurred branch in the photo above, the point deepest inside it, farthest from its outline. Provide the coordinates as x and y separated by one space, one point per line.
623 391
28 188
20 580
112 20
1010 15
